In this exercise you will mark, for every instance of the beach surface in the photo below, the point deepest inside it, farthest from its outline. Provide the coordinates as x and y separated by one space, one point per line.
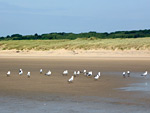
76 53
41 93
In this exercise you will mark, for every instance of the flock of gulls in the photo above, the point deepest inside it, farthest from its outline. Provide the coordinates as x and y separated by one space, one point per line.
128 74
76 73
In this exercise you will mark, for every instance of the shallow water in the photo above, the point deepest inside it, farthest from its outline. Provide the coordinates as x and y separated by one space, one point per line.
68 105
145 87
142 86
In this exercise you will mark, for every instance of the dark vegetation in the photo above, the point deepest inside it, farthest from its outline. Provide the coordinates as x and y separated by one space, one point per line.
72 36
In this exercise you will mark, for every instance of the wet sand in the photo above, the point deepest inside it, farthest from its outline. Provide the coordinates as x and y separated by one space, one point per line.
83 95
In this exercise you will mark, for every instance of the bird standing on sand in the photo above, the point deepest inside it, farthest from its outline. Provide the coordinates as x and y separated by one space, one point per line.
75 73
84 71
41 71
48 73
99 73
20 72
78 72
124 74
97 76
8 73
128 73
71 79
65 72
89 73
145 74
28 74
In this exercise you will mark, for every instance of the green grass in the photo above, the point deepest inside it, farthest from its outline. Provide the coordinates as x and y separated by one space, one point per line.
86 43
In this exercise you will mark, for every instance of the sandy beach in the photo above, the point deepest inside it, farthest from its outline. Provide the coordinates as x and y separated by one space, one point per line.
41 93
77 53
103 46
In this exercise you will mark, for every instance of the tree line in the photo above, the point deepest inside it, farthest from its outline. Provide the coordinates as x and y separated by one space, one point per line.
72 36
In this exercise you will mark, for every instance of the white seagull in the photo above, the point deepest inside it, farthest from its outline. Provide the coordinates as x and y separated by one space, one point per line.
145 74
124 74
65 72
71 79
8 73
128 73
89 73
41 71
48 73
84 71
20 72
97 76
28 74
75 73
78 72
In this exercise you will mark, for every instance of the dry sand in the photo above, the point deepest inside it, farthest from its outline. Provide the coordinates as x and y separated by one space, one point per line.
78 53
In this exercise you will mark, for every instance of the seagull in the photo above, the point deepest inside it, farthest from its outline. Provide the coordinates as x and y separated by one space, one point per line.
75 73
78 73
48 73
65 72
41 71
8 73
28 74
124 74
71 79
89 73
99 73
97 76
84 71
128 73
145 74
20 72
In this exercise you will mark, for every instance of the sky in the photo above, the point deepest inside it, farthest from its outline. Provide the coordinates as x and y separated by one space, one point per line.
45 16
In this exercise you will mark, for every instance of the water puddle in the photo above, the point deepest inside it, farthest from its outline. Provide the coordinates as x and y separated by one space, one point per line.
137 87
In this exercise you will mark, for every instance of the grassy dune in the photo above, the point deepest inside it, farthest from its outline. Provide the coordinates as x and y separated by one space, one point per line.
87 44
